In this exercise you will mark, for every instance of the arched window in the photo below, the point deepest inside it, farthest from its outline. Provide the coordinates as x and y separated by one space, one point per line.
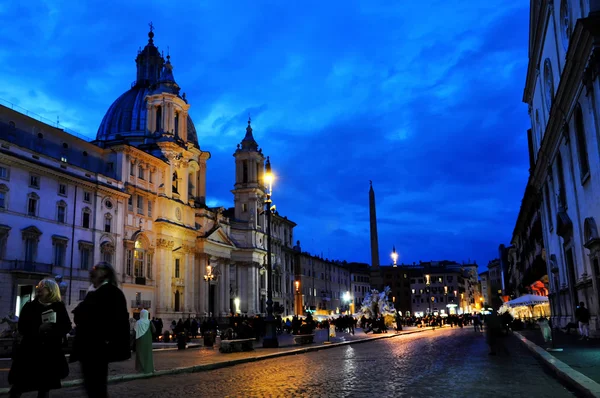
175 183
244 171
107 249
86 217
565 23
108 223
548 84
191 187
61 212
158 118
33 201
584 165
138 259
176 124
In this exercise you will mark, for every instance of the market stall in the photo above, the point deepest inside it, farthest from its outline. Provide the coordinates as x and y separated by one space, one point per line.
528 306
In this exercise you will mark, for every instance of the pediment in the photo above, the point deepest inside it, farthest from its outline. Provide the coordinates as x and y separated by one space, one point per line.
31 230
217 235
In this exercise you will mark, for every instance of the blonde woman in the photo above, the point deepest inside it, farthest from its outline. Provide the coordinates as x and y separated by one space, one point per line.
144 330
39 363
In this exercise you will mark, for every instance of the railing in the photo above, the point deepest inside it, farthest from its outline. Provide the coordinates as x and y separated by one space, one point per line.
26 266
42 119
141 304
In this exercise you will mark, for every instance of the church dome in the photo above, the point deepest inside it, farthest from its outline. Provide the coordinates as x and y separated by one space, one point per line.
126 117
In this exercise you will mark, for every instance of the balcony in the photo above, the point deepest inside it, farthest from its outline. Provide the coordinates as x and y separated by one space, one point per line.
141 304
178 282
26 266
140 280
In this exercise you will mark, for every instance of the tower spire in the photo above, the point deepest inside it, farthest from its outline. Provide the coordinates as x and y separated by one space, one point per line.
249 143
373 222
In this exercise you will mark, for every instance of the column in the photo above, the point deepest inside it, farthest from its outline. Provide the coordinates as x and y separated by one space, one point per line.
189 297
227 288
192 282
242 281
166 282
222 286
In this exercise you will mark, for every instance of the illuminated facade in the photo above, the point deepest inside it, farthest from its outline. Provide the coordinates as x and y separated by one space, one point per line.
136 197
562 90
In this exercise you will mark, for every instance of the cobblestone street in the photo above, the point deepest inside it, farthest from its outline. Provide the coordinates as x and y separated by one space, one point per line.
448 363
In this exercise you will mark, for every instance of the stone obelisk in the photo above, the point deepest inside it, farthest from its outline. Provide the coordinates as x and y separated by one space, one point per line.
373 219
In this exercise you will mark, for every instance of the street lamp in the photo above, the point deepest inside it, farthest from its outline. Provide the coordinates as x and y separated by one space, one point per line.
394 255
347 300
270 339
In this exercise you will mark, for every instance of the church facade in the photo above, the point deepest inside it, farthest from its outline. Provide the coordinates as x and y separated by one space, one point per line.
136 198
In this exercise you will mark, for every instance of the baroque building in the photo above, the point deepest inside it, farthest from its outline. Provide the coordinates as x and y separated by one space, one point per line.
136 197
562 91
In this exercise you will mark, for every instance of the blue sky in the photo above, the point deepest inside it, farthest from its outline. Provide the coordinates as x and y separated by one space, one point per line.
423 98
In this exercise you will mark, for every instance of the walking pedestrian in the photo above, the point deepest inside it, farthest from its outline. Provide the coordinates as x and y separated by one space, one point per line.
583 317
144 330
39 363
102 330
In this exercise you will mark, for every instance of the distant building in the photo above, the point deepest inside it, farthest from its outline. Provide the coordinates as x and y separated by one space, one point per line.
360 284
484 280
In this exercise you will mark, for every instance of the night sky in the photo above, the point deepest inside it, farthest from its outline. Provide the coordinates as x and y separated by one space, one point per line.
423 98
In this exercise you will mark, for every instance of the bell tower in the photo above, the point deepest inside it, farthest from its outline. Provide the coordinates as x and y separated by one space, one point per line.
249 187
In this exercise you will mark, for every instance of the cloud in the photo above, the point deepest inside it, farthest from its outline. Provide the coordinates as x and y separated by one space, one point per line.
423 99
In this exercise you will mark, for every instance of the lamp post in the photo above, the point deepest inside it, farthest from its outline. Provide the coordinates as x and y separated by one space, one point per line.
427 282
394 255
454 300
298 301
208 277
270 340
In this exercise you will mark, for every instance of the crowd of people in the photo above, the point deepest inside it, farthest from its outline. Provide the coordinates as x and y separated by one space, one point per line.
102 335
